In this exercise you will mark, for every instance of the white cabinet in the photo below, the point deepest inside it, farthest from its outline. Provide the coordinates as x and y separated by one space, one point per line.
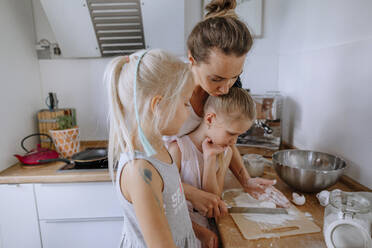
60 215
81 233
166 24
74 31
19 225
79 215
77 200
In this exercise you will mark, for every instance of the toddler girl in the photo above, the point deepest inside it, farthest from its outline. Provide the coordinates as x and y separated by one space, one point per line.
203 156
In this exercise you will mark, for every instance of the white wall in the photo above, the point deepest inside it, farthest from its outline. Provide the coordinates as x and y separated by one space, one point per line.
325 71
193 14
79 84
260 71
20 95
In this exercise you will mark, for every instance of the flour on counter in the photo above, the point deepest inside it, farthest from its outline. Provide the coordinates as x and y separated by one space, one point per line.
266 221
245 200
239 198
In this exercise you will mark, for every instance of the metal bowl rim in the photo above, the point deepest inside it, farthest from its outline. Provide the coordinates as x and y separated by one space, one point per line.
303 169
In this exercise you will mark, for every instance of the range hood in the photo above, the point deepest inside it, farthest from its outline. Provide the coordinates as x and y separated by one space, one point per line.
96 28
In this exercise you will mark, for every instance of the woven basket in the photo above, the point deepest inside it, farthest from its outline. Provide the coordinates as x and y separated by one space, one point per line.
66 141
48 120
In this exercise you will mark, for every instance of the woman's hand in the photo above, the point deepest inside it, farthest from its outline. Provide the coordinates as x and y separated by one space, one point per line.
208 204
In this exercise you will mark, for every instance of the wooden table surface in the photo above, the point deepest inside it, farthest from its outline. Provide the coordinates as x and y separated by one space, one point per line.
231 236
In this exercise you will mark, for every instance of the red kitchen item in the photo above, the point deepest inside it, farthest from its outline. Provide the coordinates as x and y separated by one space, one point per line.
32 157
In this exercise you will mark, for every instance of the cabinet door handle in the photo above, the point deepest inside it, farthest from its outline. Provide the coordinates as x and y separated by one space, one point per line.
82 219
13 185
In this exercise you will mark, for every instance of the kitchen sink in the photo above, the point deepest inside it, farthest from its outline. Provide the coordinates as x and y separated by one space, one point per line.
267 136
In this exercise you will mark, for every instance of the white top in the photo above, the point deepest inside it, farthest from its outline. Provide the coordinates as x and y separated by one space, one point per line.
192 164
192 122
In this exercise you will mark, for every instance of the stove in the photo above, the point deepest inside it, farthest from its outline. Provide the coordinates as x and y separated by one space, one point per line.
94 166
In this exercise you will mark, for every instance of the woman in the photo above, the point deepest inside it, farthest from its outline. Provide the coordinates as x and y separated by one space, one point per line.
217 48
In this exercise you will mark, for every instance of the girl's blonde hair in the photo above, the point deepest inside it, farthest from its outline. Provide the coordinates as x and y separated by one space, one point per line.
159 73
236 104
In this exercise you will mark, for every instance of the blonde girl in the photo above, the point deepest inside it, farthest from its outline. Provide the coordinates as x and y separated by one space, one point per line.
146 93
204 155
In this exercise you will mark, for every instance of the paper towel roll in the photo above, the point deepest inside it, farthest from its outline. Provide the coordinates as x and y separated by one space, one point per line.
359 237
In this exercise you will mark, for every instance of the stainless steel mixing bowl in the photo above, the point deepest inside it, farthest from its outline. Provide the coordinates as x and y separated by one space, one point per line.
308 171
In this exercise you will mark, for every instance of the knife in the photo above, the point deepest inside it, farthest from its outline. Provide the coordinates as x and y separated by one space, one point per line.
251 210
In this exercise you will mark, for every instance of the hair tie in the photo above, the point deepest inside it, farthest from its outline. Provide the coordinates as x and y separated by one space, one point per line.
149 150
225 13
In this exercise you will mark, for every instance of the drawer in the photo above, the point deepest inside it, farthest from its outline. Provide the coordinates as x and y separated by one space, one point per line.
81 233
19 226
77 200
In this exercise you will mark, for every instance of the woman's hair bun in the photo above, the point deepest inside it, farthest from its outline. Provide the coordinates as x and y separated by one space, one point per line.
219 7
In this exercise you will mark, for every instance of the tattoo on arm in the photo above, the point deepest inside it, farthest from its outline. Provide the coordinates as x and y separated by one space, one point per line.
147 177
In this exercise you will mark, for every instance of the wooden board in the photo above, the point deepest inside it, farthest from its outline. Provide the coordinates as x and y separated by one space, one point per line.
258 226
252 230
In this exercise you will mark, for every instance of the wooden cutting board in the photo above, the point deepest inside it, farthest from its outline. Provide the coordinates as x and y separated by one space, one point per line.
256 226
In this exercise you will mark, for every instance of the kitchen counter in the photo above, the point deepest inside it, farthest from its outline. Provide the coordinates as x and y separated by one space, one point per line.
229 233
231 236
48 173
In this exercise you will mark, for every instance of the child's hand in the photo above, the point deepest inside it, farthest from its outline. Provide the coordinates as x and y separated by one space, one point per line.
263 189
210 149
258 185
273 195
208 238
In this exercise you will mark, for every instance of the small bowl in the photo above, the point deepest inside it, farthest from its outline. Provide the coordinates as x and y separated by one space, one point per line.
254 164
308 171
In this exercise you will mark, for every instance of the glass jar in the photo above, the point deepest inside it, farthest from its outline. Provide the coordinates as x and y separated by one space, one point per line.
255 164
347 221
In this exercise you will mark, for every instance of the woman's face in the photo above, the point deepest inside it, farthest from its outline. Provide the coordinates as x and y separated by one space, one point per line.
218 75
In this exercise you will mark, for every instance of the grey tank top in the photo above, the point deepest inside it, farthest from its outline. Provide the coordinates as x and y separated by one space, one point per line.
174 205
